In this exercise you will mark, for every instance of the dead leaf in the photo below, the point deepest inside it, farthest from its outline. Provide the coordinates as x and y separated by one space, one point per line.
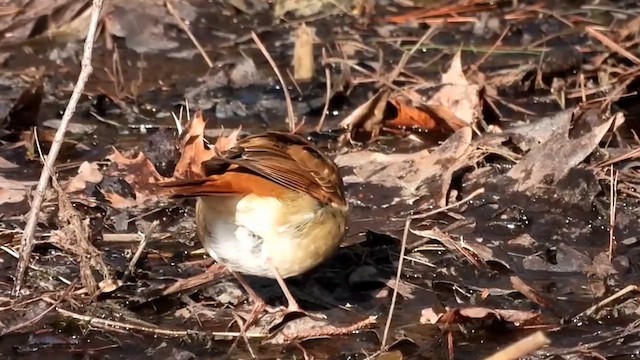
419 174
601 266
528 292
13 191
138 172
194 149
87 173
366 121
458 96
550 161
23 115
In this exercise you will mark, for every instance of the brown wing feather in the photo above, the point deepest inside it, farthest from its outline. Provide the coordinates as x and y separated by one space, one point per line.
284 159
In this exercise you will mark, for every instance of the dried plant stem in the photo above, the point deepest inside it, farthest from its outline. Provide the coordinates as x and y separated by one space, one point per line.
291 118
327 75
522 347
26 244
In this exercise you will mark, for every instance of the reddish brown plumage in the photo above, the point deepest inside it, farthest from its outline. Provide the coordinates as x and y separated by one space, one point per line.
267 164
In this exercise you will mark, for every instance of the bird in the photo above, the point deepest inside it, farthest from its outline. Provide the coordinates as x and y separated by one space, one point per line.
272 205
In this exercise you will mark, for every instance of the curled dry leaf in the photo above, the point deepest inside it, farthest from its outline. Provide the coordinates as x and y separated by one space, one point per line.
366 121
469 314
194 148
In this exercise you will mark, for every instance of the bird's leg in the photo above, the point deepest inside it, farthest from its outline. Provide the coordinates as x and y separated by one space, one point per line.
292 304
259 305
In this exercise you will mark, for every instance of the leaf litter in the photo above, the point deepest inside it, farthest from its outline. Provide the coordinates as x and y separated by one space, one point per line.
532 250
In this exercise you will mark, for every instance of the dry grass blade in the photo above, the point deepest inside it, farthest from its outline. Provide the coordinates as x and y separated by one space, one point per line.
145 238
327 75
611 44
27 242
523 347
185 28
613 193
290 114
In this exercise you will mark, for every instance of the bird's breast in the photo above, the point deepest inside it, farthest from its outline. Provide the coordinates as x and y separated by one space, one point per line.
296 233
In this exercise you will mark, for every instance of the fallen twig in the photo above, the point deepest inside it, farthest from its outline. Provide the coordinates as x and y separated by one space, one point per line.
143 242
27 241
117 325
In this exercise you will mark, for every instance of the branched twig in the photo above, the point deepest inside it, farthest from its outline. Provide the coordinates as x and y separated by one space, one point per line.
26 244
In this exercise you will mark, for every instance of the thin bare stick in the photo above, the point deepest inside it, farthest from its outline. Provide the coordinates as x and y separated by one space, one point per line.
184 27
27 241
523 347
613 194
403 247
327 75
291 118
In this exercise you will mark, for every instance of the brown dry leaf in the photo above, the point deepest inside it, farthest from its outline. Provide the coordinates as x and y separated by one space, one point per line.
143 177
194 149
434 118
528 292
601 267
418 174
24 113
87 173
551 160
13 191
457 96
303 60
465 315
140 173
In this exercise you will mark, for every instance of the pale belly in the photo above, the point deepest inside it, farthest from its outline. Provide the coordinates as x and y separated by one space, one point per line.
244 233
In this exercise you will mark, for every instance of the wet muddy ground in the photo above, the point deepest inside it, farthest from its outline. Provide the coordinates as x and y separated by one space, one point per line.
555 123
